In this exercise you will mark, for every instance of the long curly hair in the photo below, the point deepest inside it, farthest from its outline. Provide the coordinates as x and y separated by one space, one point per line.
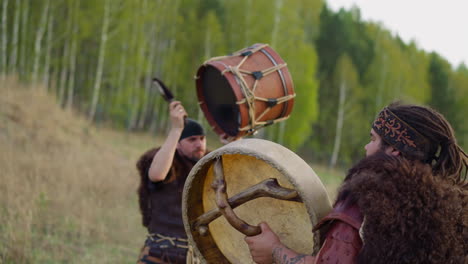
143 166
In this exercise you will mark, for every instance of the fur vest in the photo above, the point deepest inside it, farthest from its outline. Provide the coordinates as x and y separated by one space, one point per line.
410 215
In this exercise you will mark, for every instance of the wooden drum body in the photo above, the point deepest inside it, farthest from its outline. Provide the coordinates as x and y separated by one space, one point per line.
245 91
247 166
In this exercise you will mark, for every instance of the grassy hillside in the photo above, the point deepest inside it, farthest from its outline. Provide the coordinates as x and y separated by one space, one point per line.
67 188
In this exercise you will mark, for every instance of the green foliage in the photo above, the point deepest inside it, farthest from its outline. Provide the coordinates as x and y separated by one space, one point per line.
171 39
306 108
442 97
460 88
444 91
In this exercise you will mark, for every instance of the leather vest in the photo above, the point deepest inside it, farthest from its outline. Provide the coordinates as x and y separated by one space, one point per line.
343 242
166 199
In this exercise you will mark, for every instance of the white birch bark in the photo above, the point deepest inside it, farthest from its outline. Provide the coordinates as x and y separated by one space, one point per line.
14 43
135 102
100 65
274 40
63 73
207 56
72 65
165 48
248 16
276 23
339 123
38 41
144 72
122 71
23 56
148 94
3 60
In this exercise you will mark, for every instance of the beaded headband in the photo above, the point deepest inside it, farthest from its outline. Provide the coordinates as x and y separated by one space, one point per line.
400 135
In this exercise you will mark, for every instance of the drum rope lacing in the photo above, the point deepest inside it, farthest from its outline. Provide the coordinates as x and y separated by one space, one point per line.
155 237
249 94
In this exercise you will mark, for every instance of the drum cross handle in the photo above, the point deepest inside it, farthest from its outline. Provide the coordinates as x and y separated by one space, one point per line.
267 188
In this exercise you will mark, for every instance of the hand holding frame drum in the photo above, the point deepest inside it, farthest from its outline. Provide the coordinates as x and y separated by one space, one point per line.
267 182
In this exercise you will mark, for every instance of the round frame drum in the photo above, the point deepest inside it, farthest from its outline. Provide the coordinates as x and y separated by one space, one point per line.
249 165
245 91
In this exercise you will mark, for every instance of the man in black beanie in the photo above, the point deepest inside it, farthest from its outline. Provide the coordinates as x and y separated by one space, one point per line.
163 172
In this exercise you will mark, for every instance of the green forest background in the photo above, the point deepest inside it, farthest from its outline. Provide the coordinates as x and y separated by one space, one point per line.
98 56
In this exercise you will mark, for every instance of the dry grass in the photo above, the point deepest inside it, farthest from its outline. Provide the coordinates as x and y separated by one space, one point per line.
68 189
67 192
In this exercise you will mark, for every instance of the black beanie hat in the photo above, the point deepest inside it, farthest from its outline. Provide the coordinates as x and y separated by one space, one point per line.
192 128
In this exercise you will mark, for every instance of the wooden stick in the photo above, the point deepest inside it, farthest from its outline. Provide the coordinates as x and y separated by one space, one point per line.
266 188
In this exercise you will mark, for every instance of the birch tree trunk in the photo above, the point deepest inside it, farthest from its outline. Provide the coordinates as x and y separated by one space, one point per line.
100 65
14 43
274 40
277 21
248 20
64 64
3 60
160 42
148 94
38 42
139 47
145 72
63 74
23 68
207 56
71 74
339 123
122 72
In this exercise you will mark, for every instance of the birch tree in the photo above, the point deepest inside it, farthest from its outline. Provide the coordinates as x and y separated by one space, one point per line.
343 66
23 65
38 41
62 82
3 59
73 53
100 62
274 39
347 80
140 50
15 37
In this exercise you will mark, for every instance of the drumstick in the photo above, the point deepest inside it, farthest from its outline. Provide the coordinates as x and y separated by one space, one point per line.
165 93
163 90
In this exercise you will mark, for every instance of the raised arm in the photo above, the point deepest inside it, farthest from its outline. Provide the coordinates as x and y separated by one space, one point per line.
266 248
162 161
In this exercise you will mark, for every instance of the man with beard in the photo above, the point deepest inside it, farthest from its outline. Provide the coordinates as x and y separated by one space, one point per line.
163 172
406 202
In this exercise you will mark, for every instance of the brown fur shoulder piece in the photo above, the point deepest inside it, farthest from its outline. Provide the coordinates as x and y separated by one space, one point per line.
143 166
410 216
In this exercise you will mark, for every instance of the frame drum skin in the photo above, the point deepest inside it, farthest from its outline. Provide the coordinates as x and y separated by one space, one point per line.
247 162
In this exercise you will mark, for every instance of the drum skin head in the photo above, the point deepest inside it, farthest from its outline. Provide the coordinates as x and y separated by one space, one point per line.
247 162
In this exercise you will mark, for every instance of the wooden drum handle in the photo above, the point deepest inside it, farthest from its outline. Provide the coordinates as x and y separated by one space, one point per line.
266 188
219 185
